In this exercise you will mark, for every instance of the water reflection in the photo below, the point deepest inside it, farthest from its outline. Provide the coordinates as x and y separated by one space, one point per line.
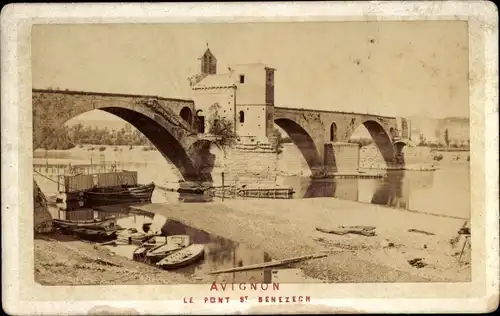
390 191
444 192
221 253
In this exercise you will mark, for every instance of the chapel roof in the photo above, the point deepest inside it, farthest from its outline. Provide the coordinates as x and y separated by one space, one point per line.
215 81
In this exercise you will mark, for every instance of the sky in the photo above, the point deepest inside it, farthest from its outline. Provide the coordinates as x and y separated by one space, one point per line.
387 68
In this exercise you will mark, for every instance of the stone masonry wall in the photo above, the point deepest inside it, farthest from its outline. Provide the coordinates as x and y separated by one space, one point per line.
252 165
341 157
418 157
371 157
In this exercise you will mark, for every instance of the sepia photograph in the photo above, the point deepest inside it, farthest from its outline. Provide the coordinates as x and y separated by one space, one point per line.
246 156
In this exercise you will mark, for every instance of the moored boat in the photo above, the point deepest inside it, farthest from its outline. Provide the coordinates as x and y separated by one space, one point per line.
174 243
119 194
139 253
108 223
90 232
183 257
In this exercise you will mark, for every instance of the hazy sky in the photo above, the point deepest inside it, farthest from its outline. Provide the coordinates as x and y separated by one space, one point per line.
388 68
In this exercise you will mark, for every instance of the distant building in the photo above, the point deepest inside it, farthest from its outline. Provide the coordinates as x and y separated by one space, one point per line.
245 95
457 128
434 130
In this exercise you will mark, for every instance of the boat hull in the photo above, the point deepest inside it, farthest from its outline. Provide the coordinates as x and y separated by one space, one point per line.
119 195
140 252
92 224
182 257
173 244
155 257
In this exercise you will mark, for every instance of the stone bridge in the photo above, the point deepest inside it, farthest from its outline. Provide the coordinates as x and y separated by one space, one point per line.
321 134
166 122
170 125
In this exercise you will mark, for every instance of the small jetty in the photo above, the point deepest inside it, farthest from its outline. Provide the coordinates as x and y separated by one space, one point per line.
266 193
349 175
204 192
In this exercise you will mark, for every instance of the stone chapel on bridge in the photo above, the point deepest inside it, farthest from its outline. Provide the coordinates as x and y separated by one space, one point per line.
244 93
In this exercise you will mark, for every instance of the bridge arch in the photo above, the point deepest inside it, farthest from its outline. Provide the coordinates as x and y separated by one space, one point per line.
163 127
165 141
301 138
383 140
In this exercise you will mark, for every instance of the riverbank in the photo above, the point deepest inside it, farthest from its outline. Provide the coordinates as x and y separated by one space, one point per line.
287 228
284 229
64 260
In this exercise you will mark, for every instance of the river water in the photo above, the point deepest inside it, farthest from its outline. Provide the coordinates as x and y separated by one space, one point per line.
445 191
442 192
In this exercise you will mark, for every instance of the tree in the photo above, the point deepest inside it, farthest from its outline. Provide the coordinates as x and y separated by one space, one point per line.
446 138
277 140
422 140
221 128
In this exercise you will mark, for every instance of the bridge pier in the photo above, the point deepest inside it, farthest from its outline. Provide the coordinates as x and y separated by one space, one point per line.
341 157
398 159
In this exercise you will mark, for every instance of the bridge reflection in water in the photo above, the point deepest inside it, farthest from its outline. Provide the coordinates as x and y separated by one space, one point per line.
394 190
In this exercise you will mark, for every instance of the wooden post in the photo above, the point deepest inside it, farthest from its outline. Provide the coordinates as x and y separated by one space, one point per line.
223 186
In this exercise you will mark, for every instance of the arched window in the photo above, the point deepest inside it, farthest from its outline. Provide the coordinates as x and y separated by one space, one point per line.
242 117
392 131
186 115
333 132
200 121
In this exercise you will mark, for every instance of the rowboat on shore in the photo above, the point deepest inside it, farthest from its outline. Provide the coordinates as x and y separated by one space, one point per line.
139 253
133 237
173 244
90 232
107 223
183 257
119 194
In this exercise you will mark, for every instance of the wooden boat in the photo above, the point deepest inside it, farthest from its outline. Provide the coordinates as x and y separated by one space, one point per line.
92 234
134 238
108 223
182 257
174 243
119 195
139 253
95 232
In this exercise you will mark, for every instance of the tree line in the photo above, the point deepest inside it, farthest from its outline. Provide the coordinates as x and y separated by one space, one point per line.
68 137
446 143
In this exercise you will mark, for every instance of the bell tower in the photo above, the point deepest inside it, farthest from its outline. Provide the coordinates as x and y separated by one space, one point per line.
208 63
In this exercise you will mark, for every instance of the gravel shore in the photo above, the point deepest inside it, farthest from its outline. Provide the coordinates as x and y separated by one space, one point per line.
287 228
284 229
